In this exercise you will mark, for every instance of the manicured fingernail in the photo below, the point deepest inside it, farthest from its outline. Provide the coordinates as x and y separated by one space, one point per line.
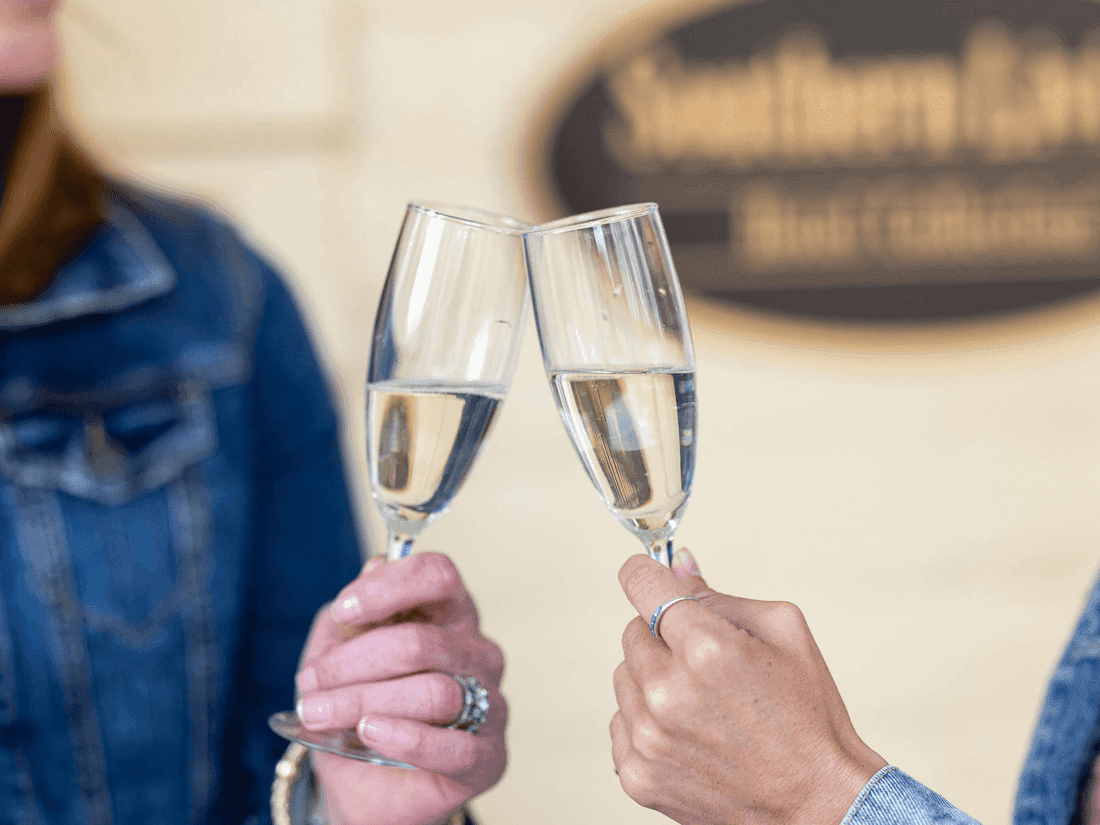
685 563
376 730
316 711
307 680
374 563
347 608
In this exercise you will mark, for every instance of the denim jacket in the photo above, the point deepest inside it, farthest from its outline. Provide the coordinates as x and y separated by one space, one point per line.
173 511
1063 749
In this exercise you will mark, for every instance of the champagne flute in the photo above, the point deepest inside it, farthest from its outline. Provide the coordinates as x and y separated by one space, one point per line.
444 349
617 350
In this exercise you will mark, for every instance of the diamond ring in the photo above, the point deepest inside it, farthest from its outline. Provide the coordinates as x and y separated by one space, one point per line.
475 707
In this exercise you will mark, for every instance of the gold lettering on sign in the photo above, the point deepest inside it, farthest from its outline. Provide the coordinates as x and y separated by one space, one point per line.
1008 97
947 221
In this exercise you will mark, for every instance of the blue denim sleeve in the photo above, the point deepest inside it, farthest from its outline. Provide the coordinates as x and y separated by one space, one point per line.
893 798
306 545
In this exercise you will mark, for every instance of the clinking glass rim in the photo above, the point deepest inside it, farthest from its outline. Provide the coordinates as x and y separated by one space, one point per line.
587 220
472 216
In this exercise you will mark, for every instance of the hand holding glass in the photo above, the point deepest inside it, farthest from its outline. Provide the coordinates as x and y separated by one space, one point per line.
617 350
443 353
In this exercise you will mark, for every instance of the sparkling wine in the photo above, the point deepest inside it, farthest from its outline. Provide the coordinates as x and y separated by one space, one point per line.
635 434
422 440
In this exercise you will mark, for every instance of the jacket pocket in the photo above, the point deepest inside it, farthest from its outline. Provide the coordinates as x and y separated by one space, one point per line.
112 444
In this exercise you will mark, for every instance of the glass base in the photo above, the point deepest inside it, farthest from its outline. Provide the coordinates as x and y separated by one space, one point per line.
340 742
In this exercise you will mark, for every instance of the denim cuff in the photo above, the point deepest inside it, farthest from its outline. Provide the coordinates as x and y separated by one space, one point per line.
891 797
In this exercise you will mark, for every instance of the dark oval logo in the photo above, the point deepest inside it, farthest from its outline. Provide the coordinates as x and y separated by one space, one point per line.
860 159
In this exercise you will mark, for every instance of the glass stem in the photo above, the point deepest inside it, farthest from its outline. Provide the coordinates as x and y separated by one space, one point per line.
660 550
398 546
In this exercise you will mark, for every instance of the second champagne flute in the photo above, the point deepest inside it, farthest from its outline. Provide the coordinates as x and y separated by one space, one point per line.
617 349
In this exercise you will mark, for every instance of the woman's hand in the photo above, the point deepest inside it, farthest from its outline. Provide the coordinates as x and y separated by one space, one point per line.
381 659
733 718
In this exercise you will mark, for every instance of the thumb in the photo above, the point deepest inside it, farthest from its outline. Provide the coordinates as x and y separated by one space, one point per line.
687 570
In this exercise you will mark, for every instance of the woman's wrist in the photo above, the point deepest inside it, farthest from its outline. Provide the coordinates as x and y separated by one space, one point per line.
295 799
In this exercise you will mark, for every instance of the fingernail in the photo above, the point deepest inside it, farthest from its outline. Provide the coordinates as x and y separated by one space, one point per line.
685 563
376 730
374 563
307 680
347 608
316 711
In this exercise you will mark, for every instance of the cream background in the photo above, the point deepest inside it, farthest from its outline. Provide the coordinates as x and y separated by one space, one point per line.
926 496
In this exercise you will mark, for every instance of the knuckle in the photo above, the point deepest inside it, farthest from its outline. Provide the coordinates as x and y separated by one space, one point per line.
616 725
646 738
495 760
636 778
438 574
500 762
476 656
659 698
787 619
706 650
498 711
492 658
496 660
487 765
636 629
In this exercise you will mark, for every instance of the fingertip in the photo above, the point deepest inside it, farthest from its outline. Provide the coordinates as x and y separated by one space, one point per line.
684 564
686 569
386 736
316 712
373 564
374 730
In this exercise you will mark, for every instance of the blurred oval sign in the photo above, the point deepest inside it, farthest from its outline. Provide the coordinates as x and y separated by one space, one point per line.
859 159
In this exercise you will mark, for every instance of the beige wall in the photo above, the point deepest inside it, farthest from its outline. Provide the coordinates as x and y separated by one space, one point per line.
925 496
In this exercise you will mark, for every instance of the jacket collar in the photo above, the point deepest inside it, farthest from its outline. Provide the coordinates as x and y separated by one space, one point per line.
55 203
52 201
122 267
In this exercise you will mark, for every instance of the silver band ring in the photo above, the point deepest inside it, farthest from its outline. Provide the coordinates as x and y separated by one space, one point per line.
475 705
658 614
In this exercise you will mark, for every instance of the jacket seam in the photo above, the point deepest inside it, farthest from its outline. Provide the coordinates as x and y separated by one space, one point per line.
866 792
